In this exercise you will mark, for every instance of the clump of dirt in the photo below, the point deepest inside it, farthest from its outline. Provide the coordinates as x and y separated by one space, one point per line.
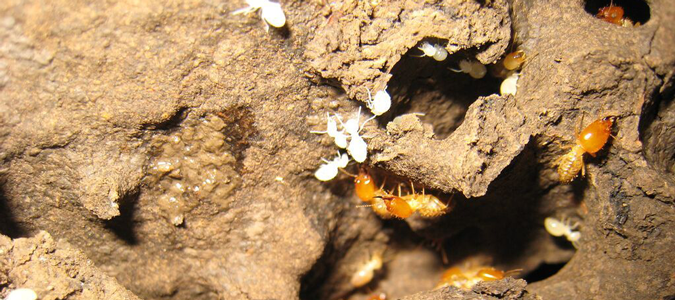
193 166
54 270
170 143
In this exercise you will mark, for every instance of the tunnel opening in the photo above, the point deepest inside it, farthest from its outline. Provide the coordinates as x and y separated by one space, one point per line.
124 226
9 226
630 12
543 271
502 231
432 88
657 130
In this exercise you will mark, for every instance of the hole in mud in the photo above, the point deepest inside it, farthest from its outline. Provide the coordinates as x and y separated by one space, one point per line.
657 130
491 231
542 272
409 265
636 11
310 283
123 225
503 230
8 225
424 85
171 123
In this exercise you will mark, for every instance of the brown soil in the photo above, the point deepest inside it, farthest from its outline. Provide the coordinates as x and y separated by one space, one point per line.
162 150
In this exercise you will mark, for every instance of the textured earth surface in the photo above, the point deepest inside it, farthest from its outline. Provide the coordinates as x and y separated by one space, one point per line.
162 149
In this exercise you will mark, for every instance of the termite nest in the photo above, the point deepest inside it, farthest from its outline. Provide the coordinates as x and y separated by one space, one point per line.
461 181
494 229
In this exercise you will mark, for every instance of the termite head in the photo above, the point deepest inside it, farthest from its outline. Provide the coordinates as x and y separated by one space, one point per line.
514 60
364 186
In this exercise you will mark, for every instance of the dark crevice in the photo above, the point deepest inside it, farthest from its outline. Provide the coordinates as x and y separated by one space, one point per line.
637 11
501 224
317 284
312 284
542 272
424 85
657 130
495 230
172 123
123 226
8 224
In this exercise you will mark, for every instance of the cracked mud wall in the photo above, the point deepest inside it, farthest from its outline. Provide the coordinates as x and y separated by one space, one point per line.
170 144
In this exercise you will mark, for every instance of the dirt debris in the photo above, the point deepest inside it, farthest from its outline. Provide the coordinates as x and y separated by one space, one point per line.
54 270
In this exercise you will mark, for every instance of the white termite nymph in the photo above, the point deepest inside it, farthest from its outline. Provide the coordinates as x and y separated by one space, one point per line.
478 70
474 68
331 127
436 51
562 228
357 148
341 140
329 169
21 294
380 104
365 273
271 12
339 137
510 85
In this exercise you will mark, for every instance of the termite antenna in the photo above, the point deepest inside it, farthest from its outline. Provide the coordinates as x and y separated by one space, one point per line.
512 272
364 123
347 172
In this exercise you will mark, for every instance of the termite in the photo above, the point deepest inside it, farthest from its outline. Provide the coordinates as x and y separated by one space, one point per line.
590 141
380 207
472 67
467 278
611 14
514 60
563 227
453 277
367 191
364 186
380 296
398 207
366 272
428 206
436 51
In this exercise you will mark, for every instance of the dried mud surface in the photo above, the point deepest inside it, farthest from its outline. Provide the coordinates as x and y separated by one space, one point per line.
162 150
